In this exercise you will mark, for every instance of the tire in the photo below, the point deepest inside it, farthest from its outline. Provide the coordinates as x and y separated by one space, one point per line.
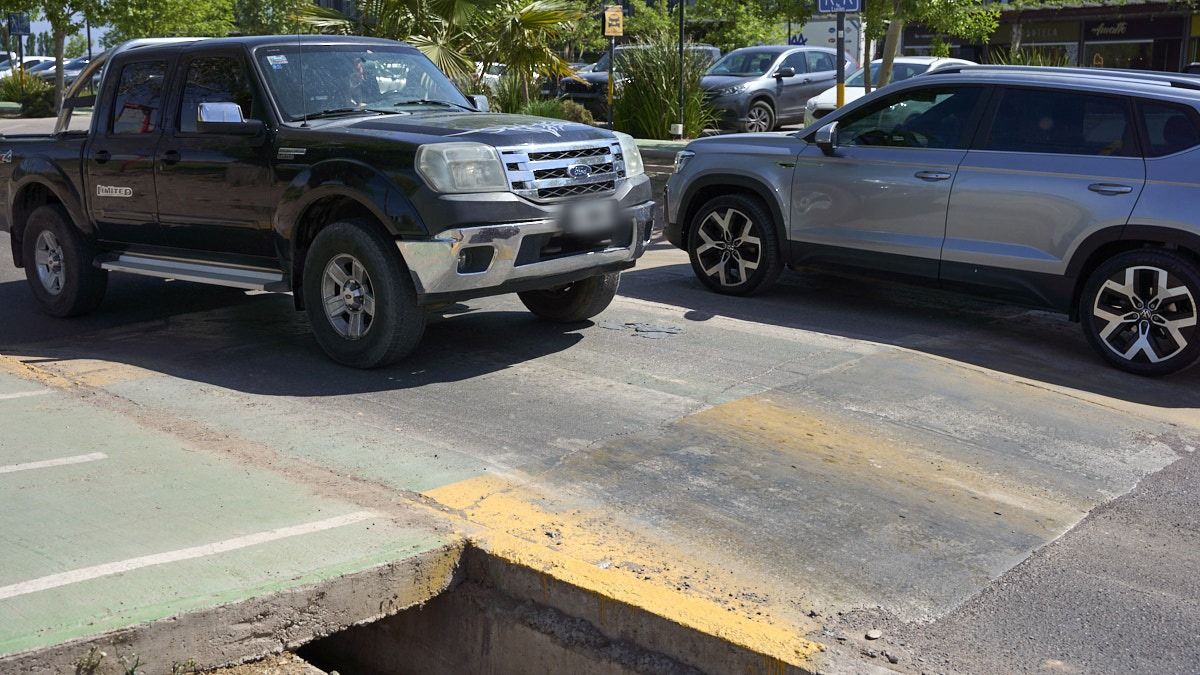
360 297
759 118
732 244
1138 311
575 302
60 264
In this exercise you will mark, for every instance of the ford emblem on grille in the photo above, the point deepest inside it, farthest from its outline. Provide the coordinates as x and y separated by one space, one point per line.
579 171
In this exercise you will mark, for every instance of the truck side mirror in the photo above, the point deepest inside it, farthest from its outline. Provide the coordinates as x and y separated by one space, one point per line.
826 138
786 71
221 117
480 102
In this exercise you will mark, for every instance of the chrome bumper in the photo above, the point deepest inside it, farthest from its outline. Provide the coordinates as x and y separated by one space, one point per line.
434 264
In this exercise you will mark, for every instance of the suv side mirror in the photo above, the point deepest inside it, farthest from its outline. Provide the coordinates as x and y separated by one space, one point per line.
213 117
826 138
480 102
786 71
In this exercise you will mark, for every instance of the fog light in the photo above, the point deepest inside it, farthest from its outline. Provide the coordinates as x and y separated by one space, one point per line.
475 259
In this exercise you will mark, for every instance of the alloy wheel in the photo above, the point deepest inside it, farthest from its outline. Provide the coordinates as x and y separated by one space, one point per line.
1143 312
758 119
348 296
730 249
48 259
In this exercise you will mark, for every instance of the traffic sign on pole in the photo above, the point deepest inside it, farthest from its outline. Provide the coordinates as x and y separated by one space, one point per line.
832 6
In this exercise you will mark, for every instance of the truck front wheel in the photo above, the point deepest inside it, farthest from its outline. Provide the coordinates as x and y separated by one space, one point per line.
574 302
60 264
360 298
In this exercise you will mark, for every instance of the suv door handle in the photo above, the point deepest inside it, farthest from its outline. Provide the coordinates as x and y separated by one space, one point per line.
1110 188
932 175
102 156
170 157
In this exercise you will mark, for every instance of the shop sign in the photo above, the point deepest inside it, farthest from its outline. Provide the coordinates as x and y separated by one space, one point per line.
1132 29
1050 31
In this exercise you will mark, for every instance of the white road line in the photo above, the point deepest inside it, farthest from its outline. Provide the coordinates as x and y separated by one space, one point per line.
108 569
46 463
24 394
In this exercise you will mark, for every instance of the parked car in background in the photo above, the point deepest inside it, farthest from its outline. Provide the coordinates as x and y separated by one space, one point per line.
492 77
1062 188
589 87
24 63
44 65
755 89
71 70
903 68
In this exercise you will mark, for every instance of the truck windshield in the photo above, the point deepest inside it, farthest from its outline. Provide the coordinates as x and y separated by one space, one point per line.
350 77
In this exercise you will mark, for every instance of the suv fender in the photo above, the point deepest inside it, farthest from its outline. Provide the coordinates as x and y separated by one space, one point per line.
704 188
38 173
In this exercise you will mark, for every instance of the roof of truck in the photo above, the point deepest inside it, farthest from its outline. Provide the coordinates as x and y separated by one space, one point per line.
252 41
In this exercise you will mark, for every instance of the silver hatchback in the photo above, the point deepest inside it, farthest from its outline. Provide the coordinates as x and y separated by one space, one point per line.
1068 189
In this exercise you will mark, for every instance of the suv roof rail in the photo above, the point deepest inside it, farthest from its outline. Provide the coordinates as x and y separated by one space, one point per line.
1179 80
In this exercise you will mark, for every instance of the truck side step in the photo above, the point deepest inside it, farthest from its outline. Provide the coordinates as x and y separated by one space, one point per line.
219 274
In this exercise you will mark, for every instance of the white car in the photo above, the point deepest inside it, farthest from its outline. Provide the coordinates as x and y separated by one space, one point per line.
903 68
25 62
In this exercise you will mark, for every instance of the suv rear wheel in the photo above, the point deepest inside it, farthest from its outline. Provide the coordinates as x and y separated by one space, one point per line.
732 246
60 264
360 297
1139 312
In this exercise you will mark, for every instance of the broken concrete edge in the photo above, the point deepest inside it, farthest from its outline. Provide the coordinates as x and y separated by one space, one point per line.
254 628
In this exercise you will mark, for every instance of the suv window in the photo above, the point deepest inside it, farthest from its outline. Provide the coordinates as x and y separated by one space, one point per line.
1062 122
137 106
218 79
930 117
820 61
795 60
1170 128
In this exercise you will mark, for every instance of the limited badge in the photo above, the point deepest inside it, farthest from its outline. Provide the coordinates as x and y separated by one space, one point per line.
113 191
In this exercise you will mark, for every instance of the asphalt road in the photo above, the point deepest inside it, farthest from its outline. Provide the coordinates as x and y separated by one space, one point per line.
836 455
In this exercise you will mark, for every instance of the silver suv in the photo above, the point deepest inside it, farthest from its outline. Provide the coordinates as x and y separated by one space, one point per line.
1064 188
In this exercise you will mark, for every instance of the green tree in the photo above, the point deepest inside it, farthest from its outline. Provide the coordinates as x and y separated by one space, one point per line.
269 17
77 45
730 24
31 44
129 19
967 19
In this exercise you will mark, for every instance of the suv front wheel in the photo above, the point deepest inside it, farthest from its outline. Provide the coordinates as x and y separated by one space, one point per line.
732 245
1139 312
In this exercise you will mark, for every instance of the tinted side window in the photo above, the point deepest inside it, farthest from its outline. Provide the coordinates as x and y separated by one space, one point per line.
795 60
932 117
1170 128
1062 122
220 79
820 61
137 107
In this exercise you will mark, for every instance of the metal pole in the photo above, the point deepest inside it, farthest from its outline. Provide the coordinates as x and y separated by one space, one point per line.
88 22
681 4
841 64
21 64
612 55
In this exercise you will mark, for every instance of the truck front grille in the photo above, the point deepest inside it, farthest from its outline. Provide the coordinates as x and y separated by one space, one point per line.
559 172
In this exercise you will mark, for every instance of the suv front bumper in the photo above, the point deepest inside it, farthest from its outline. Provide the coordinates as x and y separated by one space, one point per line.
448 268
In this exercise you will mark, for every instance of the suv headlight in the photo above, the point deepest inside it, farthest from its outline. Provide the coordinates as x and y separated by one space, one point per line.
461 167
727 91
681 159
633 157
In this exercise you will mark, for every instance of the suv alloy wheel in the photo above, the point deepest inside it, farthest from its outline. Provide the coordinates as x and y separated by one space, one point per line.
732 246
759 118
1139 311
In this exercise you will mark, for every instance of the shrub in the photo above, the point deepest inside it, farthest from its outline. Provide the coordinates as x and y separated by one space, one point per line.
558 108
35 96
576 113
648 102
509 95
1030 56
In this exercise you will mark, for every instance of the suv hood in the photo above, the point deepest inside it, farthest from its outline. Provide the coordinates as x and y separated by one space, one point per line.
497 129
717 82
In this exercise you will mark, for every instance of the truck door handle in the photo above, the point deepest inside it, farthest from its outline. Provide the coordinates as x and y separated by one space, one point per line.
1110 188
170 157
102 156
932 175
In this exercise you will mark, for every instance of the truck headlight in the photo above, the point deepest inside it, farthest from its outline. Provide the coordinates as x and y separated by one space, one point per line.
681 159
461 167
633 157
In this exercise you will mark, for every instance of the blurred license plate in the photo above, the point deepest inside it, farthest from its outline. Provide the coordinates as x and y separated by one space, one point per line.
589 218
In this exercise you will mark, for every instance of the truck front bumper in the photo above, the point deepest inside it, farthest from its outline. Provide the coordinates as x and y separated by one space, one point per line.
473 262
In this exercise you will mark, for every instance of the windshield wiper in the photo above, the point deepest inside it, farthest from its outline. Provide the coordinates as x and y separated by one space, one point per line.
432 101
335 112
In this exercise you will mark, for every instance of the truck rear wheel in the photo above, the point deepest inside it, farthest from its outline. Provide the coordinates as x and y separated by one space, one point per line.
360 297
60 264
577 301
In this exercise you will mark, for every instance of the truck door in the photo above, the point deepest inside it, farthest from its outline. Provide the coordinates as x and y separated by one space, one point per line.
214 190
119 163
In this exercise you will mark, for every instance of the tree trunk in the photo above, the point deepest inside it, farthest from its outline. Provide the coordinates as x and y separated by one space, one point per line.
891 44
60 39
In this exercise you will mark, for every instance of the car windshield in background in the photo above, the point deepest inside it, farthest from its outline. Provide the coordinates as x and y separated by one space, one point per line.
900 71
744 63
348 78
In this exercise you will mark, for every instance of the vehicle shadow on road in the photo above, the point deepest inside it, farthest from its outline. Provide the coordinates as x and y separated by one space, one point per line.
1038 345
258 343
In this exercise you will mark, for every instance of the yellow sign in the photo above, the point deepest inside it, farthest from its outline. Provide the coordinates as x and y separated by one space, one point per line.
1196 25
614 21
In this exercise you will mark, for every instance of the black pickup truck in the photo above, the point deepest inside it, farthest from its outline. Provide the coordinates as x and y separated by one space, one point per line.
348 170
